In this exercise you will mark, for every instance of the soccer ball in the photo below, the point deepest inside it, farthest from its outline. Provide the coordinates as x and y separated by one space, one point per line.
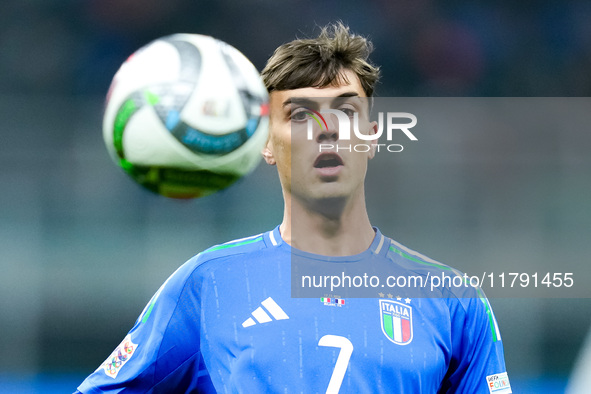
186 116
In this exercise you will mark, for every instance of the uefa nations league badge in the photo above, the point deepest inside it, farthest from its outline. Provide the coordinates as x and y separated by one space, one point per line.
396 321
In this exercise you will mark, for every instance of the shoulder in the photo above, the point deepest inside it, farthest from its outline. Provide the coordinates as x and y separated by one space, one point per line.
461 292
235 250
235 247
415 261
437 279
188 276
465 299
227 251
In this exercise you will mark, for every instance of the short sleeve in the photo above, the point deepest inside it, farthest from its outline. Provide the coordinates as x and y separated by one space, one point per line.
161 353
477 364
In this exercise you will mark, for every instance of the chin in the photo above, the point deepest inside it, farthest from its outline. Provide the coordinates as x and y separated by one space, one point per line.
330 192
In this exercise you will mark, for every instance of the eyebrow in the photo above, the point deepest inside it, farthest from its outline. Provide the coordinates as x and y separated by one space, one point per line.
305 101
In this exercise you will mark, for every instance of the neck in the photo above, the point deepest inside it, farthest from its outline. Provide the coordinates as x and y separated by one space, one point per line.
331 227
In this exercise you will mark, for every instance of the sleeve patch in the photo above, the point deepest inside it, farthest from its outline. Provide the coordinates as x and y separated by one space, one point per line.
498 383
121 355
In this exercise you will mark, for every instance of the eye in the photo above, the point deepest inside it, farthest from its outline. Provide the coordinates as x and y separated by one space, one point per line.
299 114
348 111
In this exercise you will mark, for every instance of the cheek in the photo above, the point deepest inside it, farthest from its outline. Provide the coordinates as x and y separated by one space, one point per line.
365 127
360 160
282 152
278 136
283 146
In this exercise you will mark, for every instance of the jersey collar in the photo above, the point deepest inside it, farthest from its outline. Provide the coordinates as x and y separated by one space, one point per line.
379 246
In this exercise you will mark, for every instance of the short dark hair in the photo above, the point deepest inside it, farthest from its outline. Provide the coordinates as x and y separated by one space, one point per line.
320 61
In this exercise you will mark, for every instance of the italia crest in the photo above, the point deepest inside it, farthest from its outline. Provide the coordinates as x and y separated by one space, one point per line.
396 321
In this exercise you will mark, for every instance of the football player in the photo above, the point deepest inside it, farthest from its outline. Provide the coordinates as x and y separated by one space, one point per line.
226 320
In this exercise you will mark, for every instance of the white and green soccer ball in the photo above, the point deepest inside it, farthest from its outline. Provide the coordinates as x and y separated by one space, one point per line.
186 116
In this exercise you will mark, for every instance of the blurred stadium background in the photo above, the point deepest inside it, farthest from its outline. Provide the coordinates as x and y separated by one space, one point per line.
83 248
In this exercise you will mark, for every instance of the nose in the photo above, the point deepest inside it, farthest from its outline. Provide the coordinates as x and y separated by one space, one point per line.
331 133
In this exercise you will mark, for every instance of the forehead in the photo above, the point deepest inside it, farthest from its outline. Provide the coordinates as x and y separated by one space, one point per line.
350 84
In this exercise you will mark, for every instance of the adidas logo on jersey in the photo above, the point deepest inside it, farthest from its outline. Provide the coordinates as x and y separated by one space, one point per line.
261 316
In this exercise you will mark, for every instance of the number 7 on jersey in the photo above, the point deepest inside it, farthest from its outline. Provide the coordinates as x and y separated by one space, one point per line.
342 360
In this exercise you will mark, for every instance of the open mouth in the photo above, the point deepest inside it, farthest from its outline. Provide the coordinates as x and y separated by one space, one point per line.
327 160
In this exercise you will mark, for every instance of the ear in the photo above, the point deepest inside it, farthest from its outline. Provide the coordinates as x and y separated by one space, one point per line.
373 130
268 155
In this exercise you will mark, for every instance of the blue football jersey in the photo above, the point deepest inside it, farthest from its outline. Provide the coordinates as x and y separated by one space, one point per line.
226 322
